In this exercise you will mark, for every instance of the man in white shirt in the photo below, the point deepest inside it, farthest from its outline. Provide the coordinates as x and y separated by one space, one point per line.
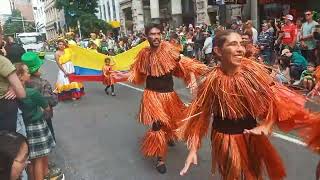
207 48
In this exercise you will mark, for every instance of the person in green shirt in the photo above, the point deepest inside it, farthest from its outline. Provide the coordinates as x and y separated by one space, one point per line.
307 77
297 63
40 140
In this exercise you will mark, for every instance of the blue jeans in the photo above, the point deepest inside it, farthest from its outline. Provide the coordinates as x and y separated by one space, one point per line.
21 129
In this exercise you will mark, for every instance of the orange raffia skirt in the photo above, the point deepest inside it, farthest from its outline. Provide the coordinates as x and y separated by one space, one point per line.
311 135
166 108
245 157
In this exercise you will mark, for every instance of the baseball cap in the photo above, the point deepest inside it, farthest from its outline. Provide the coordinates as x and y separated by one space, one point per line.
289 17
283 52
32 60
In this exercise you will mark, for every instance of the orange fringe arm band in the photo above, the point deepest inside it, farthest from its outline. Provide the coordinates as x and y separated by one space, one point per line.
187 66
163 60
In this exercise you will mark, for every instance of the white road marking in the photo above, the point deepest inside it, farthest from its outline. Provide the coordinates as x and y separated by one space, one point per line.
52 60
275 134
132 87
288 138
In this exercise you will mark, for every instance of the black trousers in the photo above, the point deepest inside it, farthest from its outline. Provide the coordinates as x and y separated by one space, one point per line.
8 115
309 55
112 88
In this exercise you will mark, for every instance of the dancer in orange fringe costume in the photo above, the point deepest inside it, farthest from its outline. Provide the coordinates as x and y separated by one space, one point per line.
244 103
316 90
312 134
161 108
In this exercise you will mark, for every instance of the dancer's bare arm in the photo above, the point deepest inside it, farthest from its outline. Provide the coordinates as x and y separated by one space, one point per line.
56 57
16 89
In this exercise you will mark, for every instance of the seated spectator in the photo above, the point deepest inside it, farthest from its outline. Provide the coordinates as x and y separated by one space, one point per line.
282 71
297 63
307 77
13 155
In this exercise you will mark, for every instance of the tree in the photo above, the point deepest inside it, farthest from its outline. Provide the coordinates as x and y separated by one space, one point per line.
14 24
84 11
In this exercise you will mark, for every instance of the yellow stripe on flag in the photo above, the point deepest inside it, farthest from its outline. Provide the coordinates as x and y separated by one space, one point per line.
87 59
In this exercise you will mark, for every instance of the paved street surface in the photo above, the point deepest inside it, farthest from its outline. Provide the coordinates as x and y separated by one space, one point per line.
98 138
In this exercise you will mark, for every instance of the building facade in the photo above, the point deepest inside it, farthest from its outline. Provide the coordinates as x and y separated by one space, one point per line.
134 14
24 6
39 15
55 20
108 10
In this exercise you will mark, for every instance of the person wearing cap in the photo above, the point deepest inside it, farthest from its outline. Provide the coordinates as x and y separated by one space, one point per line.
307 41
297 63
288 35
36 82
42 85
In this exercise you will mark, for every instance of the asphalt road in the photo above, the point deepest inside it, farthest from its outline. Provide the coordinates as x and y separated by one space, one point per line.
98 138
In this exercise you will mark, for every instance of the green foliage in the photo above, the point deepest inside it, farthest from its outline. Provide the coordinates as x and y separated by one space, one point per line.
14 24
316 15
84 11
90 23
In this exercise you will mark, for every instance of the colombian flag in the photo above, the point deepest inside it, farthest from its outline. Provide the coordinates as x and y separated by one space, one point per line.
88 64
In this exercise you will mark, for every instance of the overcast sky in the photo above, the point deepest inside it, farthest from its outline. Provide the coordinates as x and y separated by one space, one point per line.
5 7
